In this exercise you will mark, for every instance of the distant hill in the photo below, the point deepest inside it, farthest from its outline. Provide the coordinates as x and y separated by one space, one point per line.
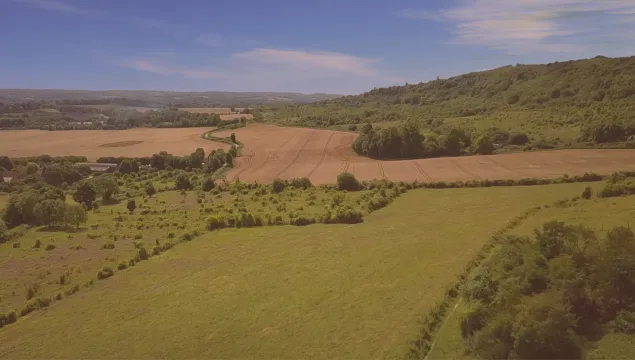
559 103
159 99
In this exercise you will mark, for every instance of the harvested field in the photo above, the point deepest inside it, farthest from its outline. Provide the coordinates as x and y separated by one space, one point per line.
97 143
225 113
271 151
117 107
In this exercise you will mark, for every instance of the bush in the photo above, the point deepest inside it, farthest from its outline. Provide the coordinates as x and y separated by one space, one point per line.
183 182
38 243
105 273
518 139
216 222
301 183
587 193
208 184
473 319
49 247
35 304
142 254
122 266
347 181
302 221
8 318
347 216
108 245
278 185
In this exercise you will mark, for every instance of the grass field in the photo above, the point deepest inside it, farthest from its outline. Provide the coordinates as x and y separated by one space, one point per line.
327 291
225 113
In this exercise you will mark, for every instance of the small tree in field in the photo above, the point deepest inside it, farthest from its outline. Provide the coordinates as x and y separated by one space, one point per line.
132 205
208 184
232 137
85 195
150 190
75 215
183 182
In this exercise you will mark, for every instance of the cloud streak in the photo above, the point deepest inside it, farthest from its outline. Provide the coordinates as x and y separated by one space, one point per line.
527 26
155 67
64 7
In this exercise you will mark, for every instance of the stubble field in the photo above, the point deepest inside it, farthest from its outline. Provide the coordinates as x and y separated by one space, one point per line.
97 143
279 152
225 113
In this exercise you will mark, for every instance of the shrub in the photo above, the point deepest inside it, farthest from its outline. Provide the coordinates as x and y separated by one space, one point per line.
142 254
216 222
38 243
108 246
473 319
131 205
518 139
32 291
8 318
122 266
183 182
35 304
347 216
278 185
16 245
301 183
105 273
49 247
302 221
208 184
347 181
587 193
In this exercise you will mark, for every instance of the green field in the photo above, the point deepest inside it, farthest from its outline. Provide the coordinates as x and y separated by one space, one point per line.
328 291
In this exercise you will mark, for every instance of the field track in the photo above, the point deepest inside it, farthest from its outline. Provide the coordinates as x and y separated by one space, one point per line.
321 155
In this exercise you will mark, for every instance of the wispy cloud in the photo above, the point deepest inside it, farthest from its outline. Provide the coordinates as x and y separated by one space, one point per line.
527 26
269 69
65 7
54 5
312 60
156 67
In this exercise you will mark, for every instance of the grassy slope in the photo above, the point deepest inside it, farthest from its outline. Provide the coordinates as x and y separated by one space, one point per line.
319 291
597 213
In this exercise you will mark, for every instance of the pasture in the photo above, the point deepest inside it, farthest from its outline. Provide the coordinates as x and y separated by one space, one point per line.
328 291
284 152
97 143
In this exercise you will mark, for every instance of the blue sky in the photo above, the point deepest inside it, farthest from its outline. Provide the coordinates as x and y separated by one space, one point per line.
335 46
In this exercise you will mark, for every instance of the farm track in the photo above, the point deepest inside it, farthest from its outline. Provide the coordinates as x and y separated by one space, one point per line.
381 171
465 170
421 171
342 157
297 155
506 167
324 152
275 152
248 160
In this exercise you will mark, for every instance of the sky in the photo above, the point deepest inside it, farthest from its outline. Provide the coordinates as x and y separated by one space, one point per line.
308 46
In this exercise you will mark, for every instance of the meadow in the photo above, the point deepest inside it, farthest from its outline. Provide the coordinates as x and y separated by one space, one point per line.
338 291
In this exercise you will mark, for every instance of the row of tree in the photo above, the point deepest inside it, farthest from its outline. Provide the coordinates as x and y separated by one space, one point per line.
407 141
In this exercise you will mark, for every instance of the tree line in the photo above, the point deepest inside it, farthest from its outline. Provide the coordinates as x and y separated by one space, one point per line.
408 141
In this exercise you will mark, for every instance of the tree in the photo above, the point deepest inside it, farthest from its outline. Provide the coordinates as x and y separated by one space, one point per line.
183 182
347 181
128 166
208 184
106 186
85 194
6 163
4 232
229 160
232 137
75 215
49 212
150 190
32 168
484 145
132 205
